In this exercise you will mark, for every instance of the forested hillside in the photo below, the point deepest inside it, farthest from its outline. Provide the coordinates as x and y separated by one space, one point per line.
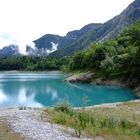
118 58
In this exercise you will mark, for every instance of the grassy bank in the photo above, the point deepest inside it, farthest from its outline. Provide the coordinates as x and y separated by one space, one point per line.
119 123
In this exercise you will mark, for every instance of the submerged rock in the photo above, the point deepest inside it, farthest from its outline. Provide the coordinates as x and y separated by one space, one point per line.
107 82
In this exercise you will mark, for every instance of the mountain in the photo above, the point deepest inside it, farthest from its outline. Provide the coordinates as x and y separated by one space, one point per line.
50 43
61 46
79 33
47 42
106 31
11 50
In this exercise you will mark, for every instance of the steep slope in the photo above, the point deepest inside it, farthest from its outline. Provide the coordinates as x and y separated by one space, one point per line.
108 30
79 33
48 41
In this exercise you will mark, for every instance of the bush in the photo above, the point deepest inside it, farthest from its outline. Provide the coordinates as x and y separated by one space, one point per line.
63 106
126 124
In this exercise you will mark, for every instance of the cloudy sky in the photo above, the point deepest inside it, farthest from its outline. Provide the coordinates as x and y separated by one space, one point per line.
22 21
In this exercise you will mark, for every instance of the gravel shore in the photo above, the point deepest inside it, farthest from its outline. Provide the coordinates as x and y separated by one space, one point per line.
29 124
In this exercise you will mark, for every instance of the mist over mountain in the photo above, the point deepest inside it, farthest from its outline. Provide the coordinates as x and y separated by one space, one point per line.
47 42
60 46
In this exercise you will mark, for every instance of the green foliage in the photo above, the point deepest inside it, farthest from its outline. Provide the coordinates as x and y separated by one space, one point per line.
63 106
32 63
86 123
114 58
119 123
126 124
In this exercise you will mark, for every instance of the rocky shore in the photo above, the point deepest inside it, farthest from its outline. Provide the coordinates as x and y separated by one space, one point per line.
81 78
89 77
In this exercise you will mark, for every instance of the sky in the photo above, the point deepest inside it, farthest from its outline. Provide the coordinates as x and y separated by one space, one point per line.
22 21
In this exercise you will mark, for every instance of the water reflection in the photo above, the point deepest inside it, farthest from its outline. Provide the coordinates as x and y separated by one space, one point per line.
3 97
27 90
25 100
37 90
52 92
22 99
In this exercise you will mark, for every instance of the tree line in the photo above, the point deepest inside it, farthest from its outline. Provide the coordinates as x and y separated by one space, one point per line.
32 63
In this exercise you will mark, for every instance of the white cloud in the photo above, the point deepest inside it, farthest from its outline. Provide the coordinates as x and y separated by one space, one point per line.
27 20
6 39
25 100
54 48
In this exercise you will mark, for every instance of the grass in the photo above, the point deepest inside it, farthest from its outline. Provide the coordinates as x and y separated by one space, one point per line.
6 132
120 123
130 104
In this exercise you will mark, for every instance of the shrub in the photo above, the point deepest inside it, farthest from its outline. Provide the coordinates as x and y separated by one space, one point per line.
63 106
126 124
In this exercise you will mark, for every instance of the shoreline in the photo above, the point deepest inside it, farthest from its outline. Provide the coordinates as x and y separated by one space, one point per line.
90 77
35 71
108 105
31 123
104 105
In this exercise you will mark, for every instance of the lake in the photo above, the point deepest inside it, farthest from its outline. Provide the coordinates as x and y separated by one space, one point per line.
46 89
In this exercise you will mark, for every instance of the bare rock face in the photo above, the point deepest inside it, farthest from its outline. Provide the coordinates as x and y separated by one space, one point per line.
81 78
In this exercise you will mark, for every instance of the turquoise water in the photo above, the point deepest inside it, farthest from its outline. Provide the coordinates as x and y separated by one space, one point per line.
46 89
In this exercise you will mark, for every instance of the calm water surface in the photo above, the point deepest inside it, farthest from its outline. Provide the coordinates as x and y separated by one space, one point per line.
45 89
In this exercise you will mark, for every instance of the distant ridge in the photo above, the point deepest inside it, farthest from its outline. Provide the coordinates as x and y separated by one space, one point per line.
106 31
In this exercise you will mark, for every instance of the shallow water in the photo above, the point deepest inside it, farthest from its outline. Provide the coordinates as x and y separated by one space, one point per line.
46 89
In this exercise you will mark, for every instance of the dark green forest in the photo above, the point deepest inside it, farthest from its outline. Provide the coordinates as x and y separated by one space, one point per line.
32 63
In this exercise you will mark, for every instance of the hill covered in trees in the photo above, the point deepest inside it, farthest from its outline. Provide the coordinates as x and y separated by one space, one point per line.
118 58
